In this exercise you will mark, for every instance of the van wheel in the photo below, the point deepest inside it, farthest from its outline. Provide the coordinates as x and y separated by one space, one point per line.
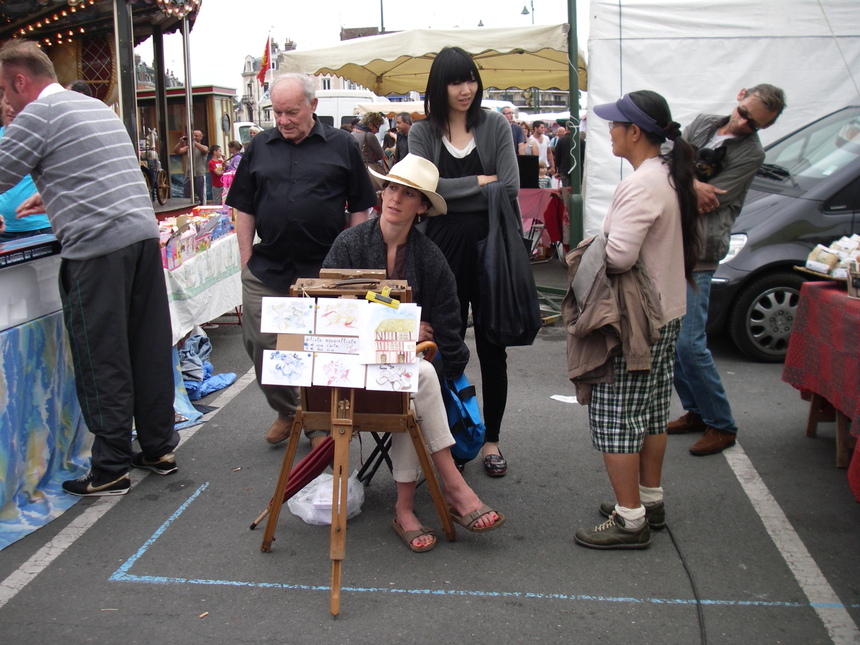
761 319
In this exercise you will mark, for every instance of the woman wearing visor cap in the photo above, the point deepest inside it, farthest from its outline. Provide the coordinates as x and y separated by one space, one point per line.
650 224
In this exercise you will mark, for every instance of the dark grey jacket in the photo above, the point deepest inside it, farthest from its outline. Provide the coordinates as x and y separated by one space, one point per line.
427 272
744 155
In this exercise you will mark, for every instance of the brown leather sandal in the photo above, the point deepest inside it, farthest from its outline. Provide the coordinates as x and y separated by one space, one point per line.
408 536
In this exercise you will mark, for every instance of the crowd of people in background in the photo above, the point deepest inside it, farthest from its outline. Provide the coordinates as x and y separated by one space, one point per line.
295 188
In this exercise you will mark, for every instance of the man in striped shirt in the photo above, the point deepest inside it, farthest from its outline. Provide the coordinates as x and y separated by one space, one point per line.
111 282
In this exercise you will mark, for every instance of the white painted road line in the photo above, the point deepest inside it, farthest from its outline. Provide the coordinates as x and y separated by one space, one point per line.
836 619
40 560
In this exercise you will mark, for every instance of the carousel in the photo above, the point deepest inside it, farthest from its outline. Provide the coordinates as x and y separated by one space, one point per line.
94 41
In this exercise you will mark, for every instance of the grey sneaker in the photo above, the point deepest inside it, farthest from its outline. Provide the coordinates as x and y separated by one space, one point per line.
654 513
613 534
164 465
90 485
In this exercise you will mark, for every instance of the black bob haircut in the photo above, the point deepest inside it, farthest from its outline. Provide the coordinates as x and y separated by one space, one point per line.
451 65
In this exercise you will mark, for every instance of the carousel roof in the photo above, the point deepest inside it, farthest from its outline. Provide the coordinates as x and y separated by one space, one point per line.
57 21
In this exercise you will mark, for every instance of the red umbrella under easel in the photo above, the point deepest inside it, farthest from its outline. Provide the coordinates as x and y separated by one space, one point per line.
316 461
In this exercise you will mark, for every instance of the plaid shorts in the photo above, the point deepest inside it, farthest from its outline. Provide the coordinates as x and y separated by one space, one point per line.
636 404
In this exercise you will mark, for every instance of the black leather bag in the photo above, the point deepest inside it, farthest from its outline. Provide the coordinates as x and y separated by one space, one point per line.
509 310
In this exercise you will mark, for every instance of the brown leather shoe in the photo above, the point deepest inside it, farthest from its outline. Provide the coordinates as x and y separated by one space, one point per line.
712 442
690 422
280 430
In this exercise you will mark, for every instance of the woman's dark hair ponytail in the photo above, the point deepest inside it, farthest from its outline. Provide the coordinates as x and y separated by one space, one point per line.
681 160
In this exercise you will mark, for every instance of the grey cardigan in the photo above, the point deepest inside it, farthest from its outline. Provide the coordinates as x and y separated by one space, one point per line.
495 150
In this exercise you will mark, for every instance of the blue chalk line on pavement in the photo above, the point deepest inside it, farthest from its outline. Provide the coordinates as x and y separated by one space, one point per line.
122 575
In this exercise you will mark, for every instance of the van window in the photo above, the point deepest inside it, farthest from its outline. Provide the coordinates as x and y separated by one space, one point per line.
818 151
245 134
327 120
846 200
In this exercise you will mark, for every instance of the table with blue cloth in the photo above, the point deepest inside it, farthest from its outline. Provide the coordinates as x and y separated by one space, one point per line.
43 438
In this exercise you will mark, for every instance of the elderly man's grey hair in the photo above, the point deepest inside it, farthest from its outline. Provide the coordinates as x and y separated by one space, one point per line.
303 80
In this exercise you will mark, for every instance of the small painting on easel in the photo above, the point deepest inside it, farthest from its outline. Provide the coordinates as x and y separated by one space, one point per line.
393 377
389 335
287 368
288 315
339 316
338 370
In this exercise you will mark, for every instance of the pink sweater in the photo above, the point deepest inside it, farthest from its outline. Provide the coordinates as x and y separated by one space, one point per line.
644 221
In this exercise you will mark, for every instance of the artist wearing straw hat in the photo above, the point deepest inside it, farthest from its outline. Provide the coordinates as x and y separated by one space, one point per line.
391 242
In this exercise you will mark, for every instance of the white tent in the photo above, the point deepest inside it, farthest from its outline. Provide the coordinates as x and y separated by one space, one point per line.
416 108
699 55
392 108
400 62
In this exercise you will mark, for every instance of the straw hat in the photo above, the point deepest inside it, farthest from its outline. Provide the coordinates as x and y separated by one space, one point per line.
415 172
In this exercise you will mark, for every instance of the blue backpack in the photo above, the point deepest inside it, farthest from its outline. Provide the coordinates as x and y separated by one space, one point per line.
464 418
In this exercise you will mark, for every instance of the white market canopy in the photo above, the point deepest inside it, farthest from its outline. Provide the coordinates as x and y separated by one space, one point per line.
392 108
400 62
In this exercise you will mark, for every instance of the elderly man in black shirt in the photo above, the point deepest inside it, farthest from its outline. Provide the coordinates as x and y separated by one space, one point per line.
292 188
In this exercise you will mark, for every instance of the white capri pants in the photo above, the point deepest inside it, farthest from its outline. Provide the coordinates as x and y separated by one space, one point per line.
432 420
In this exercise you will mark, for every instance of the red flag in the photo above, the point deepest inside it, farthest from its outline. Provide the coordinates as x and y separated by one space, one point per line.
265 62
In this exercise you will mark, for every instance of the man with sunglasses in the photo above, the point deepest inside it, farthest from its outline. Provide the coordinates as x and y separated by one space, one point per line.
696 378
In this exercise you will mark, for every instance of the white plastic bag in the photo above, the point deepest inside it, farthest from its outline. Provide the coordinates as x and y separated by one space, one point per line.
313 502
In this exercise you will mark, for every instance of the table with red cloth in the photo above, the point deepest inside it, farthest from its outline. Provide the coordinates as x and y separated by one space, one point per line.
544 205
823 362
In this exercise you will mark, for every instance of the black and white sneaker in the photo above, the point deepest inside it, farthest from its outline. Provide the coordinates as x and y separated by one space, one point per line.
164 465
90 485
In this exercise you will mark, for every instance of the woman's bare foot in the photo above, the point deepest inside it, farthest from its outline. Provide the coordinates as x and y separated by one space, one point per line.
409 522
464 500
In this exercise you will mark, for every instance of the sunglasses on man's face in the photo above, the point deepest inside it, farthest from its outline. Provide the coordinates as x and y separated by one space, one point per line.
745 115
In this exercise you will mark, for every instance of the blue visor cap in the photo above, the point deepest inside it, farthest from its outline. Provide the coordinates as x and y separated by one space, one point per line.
624 110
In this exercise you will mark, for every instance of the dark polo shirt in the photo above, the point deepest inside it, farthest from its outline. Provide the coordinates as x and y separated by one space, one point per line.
402 147
298 194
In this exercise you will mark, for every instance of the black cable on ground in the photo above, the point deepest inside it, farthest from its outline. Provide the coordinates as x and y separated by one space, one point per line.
699 610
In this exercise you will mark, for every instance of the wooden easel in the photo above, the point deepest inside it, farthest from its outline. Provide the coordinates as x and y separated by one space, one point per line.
344 411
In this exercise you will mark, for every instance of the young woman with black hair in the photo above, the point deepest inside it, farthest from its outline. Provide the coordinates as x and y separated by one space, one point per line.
471 147
651 223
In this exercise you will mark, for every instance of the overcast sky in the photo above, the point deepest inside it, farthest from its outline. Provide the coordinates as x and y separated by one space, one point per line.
221 37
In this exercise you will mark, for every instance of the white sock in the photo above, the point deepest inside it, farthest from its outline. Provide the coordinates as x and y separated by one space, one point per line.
650 495
634 518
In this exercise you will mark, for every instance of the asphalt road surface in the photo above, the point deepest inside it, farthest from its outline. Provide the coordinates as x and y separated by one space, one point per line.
761 546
